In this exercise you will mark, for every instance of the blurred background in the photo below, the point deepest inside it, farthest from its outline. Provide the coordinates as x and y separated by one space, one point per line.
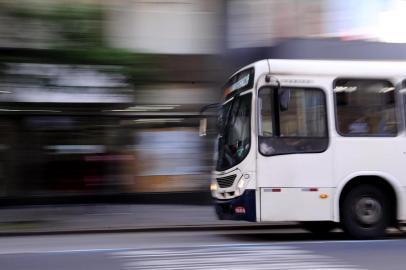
102 98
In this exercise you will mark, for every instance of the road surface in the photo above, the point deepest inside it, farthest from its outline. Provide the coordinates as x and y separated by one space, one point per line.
246 250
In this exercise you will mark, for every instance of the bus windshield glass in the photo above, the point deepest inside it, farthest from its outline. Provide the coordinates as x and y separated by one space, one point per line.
234 132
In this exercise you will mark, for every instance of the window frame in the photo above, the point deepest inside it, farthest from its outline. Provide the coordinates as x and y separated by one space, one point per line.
276 121
398 129
273 116
401 104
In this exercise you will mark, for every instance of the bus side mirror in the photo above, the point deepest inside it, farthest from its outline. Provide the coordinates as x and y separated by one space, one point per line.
203 127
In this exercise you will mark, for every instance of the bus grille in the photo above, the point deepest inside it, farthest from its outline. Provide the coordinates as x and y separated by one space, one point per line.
227 181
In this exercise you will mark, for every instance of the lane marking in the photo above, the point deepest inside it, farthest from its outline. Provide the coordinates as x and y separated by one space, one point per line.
259 257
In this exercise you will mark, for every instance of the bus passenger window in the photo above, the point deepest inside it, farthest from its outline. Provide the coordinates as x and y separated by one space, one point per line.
365 107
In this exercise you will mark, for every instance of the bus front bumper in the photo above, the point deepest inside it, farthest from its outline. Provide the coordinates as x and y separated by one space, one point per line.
239 208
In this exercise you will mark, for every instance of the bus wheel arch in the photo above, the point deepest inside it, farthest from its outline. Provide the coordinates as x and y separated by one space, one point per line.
382 199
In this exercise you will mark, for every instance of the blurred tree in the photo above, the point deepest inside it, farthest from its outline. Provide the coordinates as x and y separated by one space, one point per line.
72 34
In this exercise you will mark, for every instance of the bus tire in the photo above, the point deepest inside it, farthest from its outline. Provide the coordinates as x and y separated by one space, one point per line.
365 212
319 227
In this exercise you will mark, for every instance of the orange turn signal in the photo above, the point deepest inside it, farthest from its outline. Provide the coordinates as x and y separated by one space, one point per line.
323 196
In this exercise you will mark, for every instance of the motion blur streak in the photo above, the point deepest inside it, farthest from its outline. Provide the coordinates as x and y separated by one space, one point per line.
102 98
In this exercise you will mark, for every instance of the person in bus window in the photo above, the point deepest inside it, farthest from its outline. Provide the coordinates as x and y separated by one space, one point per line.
359 126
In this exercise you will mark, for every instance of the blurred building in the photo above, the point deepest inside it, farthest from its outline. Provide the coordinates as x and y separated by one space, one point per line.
84 110
262 23
187 36
103 97
166 27
317 29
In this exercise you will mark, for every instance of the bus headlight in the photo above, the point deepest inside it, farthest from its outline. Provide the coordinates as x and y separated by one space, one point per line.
213 186
241 183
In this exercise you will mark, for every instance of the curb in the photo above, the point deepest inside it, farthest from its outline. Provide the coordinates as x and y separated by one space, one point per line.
201 197
176 228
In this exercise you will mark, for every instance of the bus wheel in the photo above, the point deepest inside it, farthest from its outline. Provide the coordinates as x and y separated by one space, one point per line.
365 212
319 227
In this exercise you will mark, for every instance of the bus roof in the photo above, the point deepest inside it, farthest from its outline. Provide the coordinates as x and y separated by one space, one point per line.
379 69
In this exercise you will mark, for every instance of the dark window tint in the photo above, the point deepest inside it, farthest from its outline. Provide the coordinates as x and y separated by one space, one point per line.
235 132
365 107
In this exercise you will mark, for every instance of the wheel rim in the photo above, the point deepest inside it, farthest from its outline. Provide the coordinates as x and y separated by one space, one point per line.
368 211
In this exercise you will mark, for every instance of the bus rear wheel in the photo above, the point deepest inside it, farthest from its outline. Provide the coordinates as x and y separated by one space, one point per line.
365 212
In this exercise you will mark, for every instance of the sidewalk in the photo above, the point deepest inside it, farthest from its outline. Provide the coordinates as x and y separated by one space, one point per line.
109 217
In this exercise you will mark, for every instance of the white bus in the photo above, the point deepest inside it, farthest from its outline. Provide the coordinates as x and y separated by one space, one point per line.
318 142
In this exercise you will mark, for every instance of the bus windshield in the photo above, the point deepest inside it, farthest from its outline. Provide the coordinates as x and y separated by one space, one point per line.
234 132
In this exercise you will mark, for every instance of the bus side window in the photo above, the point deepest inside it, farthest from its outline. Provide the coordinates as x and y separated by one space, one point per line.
365 107
305 115
295 123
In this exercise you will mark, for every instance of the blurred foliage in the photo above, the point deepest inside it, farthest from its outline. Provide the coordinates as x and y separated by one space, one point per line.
79 33
75 25
139 69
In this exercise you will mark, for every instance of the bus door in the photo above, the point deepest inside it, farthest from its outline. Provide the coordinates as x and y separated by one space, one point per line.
294 160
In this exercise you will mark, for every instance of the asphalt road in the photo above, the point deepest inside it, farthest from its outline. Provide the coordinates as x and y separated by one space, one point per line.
265 249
